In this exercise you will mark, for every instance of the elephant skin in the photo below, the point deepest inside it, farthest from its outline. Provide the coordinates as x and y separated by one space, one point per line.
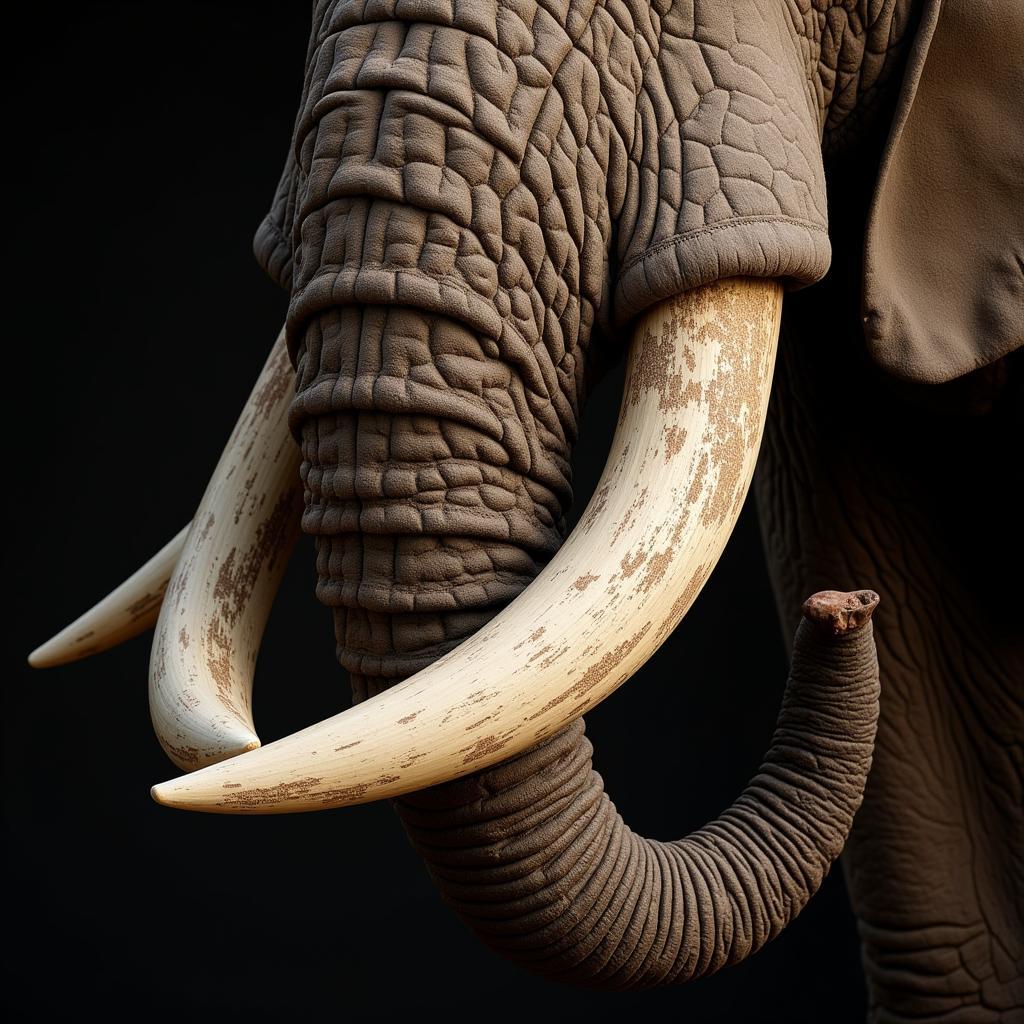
476 203
478 200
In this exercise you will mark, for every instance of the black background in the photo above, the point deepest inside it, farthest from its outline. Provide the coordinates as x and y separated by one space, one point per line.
146 141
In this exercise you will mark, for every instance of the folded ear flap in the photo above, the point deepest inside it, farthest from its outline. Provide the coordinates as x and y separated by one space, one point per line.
944 254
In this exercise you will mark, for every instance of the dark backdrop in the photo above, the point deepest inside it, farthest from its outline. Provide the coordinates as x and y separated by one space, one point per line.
145 143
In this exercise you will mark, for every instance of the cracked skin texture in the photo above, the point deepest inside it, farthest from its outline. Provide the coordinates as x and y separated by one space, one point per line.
479 198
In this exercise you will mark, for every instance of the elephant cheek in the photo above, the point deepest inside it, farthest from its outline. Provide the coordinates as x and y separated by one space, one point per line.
433 492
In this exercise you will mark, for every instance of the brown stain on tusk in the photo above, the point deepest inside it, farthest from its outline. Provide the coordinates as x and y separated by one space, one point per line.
220 593
597 673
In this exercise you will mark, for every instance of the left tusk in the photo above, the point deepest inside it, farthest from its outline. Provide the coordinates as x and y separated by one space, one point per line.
693 409
126 612
220 593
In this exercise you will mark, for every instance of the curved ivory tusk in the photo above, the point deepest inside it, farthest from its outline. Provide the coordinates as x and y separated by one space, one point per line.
223 585
125 612
693 409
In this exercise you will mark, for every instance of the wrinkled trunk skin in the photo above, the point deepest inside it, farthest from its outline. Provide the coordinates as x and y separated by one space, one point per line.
910 486
432 507
535 859
449 209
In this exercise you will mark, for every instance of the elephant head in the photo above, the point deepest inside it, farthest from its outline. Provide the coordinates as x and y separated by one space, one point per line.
480 202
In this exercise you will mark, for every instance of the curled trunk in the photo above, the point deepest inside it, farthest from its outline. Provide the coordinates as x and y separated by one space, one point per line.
532 853
535 858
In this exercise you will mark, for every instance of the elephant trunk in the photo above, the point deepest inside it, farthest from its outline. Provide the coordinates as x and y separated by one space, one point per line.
536 860
432 508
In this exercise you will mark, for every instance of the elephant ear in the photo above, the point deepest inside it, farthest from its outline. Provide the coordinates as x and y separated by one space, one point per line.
944 254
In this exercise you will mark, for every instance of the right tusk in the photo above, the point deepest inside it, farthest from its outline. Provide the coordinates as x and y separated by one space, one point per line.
693 409
223 585
126 612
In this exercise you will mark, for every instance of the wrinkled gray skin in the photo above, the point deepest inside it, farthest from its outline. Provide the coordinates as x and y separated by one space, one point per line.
480 198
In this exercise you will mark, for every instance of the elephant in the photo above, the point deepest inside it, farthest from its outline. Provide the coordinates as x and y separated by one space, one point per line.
486 199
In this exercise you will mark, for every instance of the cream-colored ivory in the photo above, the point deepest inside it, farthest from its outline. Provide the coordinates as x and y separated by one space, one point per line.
125 612
696 392
223 585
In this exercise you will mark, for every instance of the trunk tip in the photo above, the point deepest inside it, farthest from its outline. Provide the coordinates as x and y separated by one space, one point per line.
840 612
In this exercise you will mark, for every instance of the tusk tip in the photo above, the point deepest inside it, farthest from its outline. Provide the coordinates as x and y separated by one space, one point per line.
163 793
48 655
234 738
227 745
179 794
